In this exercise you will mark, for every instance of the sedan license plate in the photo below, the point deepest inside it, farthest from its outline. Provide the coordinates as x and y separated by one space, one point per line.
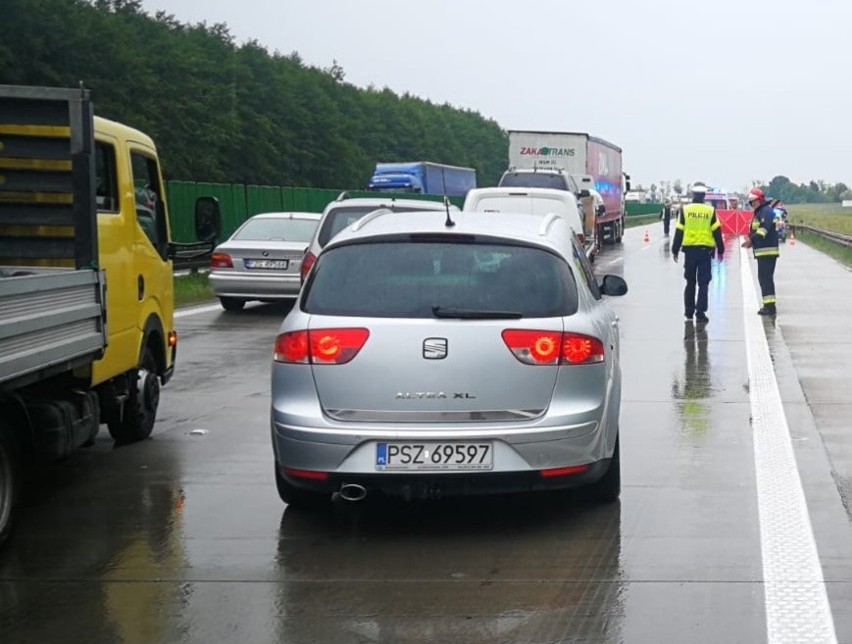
434 456
273 264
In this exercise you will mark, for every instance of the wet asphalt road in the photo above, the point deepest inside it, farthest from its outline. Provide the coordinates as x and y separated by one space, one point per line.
182 538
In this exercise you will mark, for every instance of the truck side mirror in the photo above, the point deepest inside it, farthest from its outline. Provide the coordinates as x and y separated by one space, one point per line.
208 219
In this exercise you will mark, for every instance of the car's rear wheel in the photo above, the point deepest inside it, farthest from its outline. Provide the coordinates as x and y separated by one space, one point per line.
296 497
608 488
232 303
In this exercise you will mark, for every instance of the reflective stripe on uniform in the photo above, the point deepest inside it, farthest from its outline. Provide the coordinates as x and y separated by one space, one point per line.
771 251
761 232
769 299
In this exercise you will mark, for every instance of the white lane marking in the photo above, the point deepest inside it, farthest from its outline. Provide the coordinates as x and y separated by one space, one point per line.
797 608
197 310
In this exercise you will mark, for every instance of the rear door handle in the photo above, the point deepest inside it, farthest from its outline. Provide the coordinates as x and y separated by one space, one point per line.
140 284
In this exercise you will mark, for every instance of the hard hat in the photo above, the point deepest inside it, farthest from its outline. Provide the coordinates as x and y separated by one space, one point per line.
699 188
756 194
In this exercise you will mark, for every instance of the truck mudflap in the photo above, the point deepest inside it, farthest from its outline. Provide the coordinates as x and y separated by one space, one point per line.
51 320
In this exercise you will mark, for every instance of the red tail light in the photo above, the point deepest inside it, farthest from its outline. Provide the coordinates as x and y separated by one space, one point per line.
221 260
320 346
563 471
533 347
552 347
307 261
312 475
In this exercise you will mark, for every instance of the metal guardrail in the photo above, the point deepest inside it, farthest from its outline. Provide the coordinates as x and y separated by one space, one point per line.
191 263
192 257
838 238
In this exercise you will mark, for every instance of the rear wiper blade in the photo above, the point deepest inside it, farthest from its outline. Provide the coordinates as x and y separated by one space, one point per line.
474 314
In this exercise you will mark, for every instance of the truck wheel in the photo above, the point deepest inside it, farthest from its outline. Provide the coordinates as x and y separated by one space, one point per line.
10 481
232 303
140 408
619 231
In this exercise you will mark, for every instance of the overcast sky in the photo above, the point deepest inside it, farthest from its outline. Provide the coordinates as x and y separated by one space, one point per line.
724 91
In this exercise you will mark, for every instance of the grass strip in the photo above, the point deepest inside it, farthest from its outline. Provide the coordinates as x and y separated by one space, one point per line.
642 220
192 288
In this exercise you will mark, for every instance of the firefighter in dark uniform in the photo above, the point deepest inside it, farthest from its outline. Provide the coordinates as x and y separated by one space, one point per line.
763 240
698 232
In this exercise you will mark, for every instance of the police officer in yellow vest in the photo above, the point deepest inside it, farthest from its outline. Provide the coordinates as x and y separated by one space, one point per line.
698 232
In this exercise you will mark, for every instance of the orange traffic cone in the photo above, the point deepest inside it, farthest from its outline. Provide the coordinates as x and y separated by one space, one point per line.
647 237
792 239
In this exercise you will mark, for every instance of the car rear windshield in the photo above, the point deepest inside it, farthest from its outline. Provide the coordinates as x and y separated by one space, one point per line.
534 180
440 279
526 203
339 218
297 230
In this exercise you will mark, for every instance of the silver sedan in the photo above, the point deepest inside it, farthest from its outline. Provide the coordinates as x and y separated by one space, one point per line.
262 259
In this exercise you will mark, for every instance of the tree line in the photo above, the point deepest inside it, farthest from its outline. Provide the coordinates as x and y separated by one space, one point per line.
235 113
813 192
780 187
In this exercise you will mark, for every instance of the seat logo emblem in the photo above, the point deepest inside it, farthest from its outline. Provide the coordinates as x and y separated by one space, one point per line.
265 253
435 348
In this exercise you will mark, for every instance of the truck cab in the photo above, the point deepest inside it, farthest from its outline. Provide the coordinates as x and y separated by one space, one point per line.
134 251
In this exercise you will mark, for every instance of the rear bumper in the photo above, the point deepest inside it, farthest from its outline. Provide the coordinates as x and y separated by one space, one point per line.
254 286
436 486
518 456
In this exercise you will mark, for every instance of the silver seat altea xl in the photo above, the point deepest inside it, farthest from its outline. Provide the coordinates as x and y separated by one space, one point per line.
436 354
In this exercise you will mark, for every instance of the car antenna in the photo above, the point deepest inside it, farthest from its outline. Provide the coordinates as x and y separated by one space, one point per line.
449 223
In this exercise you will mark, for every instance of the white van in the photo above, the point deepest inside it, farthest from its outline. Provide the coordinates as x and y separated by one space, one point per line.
530 200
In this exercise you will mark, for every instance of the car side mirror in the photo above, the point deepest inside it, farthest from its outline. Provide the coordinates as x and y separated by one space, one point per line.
584 193
613 285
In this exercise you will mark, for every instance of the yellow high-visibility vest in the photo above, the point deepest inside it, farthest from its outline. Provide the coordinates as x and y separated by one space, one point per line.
698 222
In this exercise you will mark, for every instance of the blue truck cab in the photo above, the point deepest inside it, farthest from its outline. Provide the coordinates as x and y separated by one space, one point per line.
423 177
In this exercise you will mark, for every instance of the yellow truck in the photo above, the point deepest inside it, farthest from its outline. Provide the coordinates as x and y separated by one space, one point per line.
87 332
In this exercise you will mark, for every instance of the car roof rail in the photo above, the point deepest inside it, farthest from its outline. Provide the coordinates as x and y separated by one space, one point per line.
370 216
549 219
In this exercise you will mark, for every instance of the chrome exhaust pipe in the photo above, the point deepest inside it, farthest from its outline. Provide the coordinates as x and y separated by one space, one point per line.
352 492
